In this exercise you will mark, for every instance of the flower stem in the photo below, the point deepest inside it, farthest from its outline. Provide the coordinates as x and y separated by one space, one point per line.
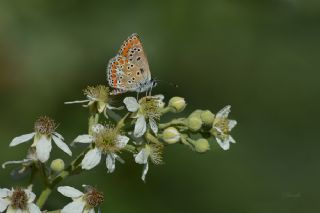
174 122
70 170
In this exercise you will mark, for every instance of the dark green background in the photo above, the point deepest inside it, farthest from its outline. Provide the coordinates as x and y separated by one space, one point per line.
262 57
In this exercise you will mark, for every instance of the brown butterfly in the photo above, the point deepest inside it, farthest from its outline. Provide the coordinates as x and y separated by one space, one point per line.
129 69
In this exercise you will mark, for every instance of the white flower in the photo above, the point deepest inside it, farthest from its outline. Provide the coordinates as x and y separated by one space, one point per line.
149 109
82 202
154 152
18 200
98 95
106 140
44 133
222 126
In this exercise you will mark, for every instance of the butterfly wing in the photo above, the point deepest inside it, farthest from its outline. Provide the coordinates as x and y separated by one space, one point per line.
129 69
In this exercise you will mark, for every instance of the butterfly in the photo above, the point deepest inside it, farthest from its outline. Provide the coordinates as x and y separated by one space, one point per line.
129 70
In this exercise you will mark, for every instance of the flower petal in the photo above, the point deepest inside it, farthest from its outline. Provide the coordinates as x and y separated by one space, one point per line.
12 210
131 104
58 135
231 139
76 102
122 141
69 191
33 208
224 112
84 139
91 159
145 171
31 196
64 147
225 145
4 192
111 162
97 128
231 124
142 156
21 139
153 125
76 206
4 204
43 148
140 127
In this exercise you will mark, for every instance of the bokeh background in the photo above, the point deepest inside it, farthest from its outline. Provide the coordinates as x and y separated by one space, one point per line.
262 57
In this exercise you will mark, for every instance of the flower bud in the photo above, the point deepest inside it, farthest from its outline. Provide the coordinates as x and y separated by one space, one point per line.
171 135
201 145
177 104
196 113
57 165
194 123
207 117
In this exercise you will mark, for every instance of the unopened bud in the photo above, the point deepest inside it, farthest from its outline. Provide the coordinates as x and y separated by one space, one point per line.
194 123
207 117
57 165
201 145
177 104
171 135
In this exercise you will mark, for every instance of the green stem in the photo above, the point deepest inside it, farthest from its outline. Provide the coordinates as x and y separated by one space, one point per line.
174 122
71 169
152 139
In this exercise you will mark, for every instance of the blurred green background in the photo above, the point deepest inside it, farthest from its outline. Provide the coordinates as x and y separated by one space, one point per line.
262 57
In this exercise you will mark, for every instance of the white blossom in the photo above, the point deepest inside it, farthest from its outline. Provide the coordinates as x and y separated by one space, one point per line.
81 202
107 141
18 200
222 126
147 109
42 136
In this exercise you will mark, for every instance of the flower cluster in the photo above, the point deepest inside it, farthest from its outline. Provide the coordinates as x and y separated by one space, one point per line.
136 128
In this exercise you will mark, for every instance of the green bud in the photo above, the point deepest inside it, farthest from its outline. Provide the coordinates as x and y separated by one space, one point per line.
201 145
207 117
194 123
171 135
196 113
57 165
177 104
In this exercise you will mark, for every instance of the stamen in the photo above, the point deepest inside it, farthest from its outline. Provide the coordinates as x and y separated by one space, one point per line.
19 199
97 93
45 125
93 197
106 140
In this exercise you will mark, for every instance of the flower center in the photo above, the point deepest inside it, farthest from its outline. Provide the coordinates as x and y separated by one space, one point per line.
106 140
150 107
222 124
19 199
93 197
45 125
97 93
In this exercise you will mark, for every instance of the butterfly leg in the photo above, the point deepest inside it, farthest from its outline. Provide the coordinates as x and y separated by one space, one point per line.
137 95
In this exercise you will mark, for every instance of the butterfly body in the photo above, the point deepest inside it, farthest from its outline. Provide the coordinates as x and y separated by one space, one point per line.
129 69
